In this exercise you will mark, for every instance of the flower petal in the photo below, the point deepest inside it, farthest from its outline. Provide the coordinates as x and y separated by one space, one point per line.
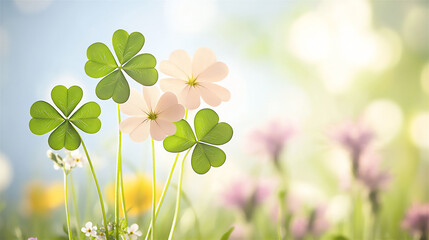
189 97
214 73
178 65
209 96
135 105
134 227
140 133
173 85
168 108
129 124
220 91
173 113
203 58
151 97
160 129
167 100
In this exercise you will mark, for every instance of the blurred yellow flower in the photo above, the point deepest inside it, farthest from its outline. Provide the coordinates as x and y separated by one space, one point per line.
138 194
40 198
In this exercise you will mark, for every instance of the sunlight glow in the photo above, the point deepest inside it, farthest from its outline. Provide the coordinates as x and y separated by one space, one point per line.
375 116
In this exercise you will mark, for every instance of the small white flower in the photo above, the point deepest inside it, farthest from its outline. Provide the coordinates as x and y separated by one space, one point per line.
100 236
89 230
132 232
109 226
56 166
78 158
69 162
50 154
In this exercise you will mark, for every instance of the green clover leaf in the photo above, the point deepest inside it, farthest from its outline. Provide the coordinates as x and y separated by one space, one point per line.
208 132
101 63
46 118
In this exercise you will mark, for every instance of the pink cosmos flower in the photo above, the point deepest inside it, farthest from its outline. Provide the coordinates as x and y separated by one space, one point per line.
151 114
194 79
416 220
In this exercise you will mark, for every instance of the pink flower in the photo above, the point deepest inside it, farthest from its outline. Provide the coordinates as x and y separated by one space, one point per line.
32 238
370 173
416 220
271 139
246 194
320 224
194 79
315 225
151 113
299 228
355 138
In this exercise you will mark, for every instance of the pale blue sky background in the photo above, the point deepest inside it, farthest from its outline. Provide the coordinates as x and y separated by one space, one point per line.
44 43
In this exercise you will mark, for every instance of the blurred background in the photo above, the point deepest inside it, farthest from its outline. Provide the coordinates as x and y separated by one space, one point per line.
305 70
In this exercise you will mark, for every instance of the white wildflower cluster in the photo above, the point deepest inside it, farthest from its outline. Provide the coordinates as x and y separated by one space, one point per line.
91 231
129 233
132 232
71 160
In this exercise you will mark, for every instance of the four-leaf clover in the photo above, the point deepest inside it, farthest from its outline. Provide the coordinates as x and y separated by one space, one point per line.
101 63
45 118
209 132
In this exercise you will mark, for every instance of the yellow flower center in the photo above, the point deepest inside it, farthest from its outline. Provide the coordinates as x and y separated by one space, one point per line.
192 81
152 116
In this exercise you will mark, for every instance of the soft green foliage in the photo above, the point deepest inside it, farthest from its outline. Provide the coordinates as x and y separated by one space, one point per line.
208 131
101 63
226 235
45 118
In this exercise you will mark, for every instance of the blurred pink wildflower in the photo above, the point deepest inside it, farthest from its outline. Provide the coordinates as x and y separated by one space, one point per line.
355 138
271 139
246 194
299 228
374 178
370 173
315 225
416 220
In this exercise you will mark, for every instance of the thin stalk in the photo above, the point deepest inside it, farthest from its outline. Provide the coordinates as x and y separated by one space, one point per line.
124 209
164 191
153 191
96 184
76 210
67 206
118 177
179 192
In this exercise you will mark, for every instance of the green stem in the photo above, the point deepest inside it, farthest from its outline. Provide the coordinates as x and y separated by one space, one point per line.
76 210
118 181
161 200
67 206
96 184
179 192
153 191
124 209
164 191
